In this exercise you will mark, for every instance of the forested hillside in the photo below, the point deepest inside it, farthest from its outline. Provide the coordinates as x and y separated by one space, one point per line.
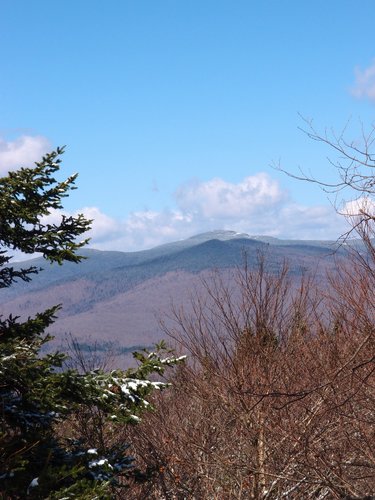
118 298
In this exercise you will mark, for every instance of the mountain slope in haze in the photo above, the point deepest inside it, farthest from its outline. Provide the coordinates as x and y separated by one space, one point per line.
115 296
212 249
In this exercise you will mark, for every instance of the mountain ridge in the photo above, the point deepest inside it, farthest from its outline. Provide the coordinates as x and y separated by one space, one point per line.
114 296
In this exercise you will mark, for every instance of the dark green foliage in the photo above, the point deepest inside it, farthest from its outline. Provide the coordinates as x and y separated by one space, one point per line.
27 195
37 397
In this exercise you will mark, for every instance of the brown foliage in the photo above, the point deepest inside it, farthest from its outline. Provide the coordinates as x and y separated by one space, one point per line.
277 400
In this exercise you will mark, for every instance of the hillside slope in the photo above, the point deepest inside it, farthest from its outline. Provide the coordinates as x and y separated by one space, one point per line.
118 296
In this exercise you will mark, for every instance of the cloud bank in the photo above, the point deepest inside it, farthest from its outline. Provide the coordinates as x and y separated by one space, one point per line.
219 199
256 205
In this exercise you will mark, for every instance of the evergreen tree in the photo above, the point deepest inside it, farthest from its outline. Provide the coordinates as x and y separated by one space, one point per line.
36 394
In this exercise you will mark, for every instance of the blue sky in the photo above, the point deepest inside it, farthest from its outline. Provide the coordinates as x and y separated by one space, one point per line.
174 111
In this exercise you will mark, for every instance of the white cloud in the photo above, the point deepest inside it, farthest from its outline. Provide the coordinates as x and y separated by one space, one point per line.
359 206
309 222
358 210
256 205
365 82
147 229
21 152
102 226
218 198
